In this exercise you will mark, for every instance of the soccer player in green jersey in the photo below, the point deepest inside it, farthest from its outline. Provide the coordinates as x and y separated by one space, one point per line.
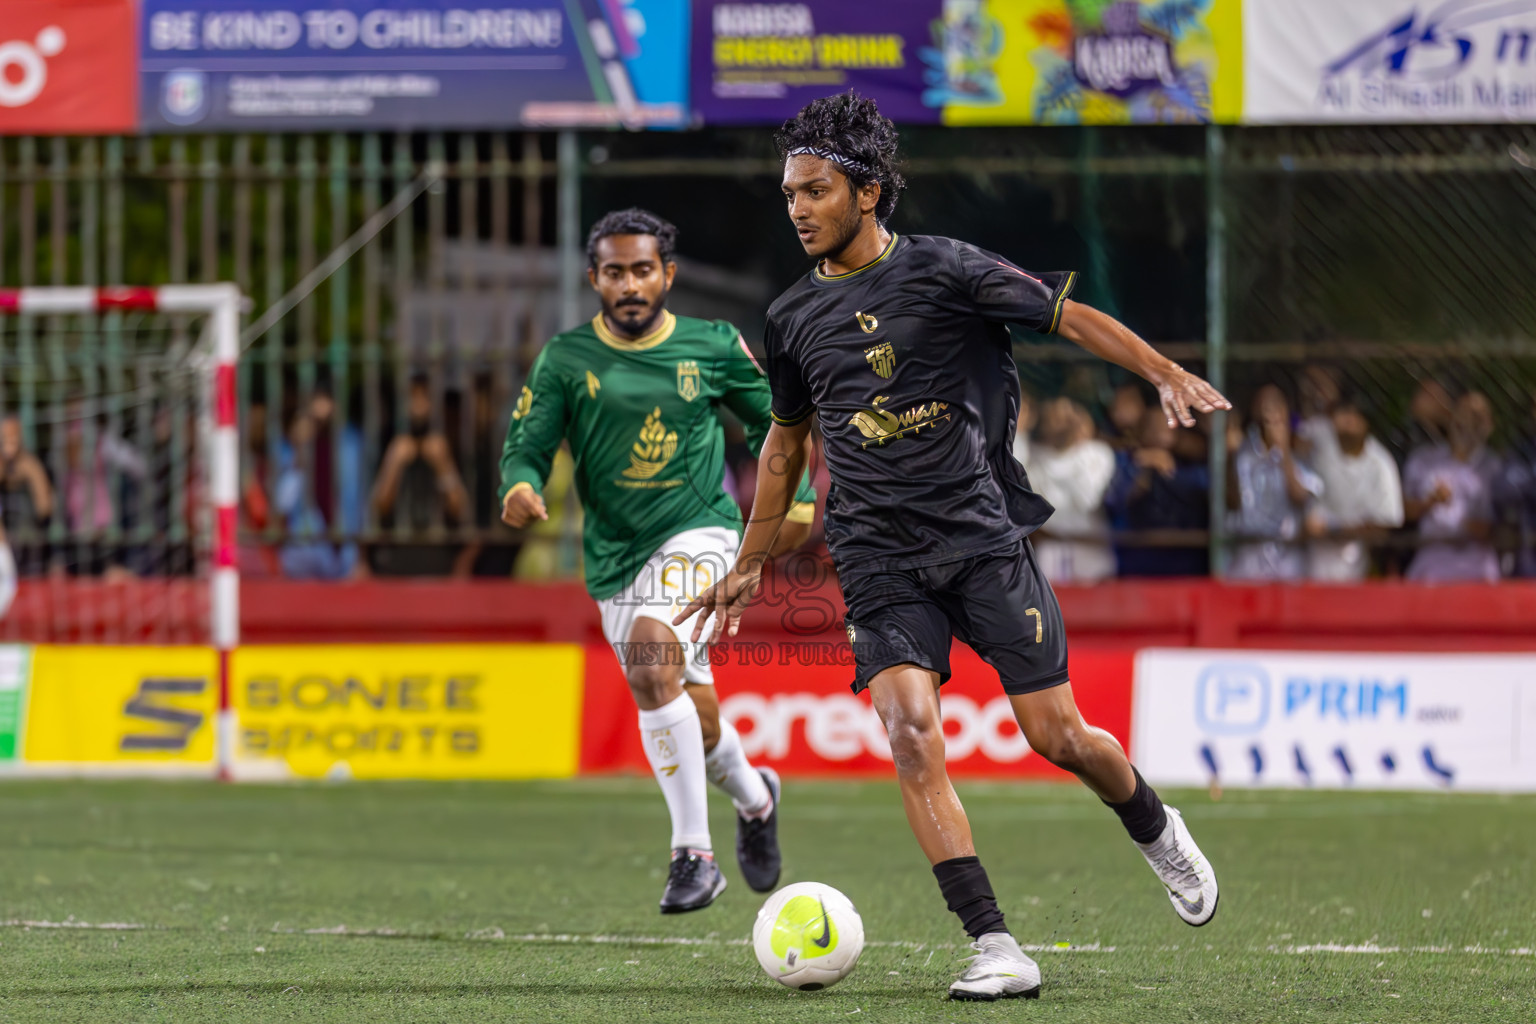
635 392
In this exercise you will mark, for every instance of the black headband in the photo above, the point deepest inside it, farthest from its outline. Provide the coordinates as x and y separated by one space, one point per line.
847 163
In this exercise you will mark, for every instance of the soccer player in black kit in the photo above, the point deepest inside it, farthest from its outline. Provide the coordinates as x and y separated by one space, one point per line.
897 343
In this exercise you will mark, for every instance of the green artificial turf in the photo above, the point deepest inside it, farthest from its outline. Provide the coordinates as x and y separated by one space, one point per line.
537 902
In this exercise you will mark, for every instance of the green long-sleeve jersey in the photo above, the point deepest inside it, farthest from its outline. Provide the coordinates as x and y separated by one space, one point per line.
648 447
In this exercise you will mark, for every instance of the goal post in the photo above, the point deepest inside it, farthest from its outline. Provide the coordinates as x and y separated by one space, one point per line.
215 359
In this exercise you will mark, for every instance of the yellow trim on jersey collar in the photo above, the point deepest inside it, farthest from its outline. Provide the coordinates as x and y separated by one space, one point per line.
890 247
662 332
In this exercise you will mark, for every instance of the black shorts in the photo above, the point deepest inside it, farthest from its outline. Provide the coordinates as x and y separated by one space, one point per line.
998 603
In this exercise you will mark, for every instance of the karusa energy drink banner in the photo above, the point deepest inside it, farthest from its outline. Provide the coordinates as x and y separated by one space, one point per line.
239 65
962 62
756 63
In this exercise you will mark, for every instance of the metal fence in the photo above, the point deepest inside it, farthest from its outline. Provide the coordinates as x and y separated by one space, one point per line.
1379 258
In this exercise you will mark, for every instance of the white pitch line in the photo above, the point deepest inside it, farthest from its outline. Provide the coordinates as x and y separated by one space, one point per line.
574 939
106 926
1373 949
497 935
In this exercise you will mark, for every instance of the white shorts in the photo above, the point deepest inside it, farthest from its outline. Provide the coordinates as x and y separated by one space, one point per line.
680 570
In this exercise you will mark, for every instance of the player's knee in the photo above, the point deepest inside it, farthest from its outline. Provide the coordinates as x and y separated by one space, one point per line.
917 744
1068 747
653 685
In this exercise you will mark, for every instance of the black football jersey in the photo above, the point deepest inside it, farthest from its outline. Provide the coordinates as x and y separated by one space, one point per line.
907 363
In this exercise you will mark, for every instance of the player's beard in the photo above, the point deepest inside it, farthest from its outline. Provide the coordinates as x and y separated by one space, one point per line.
846 228
637 328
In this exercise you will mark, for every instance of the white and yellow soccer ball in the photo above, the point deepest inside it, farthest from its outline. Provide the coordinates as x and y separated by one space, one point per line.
808 936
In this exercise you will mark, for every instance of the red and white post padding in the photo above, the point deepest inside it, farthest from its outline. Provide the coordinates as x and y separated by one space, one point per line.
221 303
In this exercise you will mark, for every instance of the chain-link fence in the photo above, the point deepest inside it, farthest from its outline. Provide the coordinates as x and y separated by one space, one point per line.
1389 266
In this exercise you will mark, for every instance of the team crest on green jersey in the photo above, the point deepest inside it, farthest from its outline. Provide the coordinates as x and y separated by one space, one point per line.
688 380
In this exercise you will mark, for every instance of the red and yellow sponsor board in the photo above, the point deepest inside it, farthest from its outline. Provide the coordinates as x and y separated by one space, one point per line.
111 710
439 711
428 711
791 704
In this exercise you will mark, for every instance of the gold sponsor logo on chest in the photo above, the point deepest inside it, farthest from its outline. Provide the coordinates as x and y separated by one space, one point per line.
882 358
880 426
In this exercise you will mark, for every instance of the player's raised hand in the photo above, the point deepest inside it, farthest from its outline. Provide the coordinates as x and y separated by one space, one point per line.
1179 391
522 506
726 601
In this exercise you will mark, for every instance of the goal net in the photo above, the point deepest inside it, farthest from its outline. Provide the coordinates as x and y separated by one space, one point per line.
119 467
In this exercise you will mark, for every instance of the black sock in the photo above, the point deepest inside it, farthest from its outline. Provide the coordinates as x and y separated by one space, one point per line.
963 881
1142 815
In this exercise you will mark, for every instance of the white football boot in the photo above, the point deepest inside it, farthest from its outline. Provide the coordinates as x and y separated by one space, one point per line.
998 970
1183 869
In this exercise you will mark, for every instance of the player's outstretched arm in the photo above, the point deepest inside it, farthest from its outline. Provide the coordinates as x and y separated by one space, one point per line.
780 464
1108 338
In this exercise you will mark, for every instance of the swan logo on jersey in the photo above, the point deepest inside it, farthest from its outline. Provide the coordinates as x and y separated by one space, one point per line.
867 323
880 426
654 450
688 380
882 359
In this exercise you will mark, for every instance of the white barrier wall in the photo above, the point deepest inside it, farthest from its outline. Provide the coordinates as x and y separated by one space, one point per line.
1378 721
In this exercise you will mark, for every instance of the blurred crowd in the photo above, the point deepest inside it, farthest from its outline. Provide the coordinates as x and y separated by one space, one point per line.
1319 485
1316 488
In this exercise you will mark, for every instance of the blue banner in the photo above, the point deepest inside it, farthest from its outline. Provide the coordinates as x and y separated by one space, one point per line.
242 65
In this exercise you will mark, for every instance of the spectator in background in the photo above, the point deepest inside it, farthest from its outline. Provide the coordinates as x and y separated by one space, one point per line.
1448 491
1156 491
1317 392
256 558
419 487
1072 469
1024 429
26 498
90 506
1362 496
1268 489
1429 418
1517 494
1126 408
319 493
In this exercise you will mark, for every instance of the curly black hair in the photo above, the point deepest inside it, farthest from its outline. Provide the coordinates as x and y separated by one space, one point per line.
851 127
633 221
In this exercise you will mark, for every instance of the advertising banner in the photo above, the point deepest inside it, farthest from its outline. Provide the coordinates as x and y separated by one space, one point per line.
350 64
1376 721
973 61
121 710
1090 62
758 63
67 67
15 673
791 703
1375 61
429 711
